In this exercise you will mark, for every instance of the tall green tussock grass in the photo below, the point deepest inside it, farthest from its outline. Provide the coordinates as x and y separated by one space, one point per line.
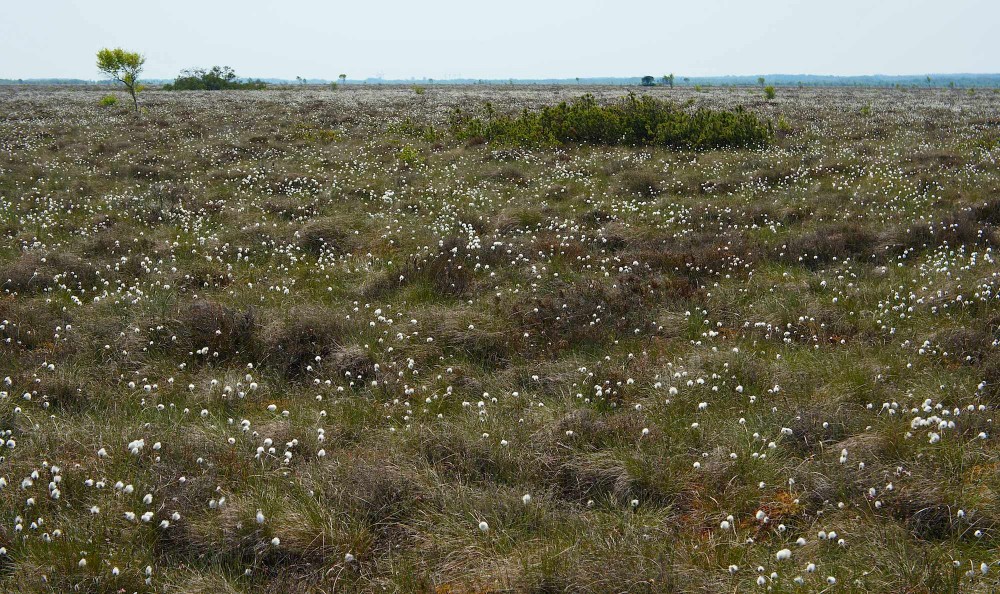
631 120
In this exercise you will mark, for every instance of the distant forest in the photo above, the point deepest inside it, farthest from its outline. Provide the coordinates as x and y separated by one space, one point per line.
784 80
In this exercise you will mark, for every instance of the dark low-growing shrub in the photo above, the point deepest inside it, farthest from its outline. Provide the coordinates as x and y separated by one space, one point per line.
643 183
217 78
449 272
328 234
225 333
294 343
963 228
631 120
988 212
832 242
39 272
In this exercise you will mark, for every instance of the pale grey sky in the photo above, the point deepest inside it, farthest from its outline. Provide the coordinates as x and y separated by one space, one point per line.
506 38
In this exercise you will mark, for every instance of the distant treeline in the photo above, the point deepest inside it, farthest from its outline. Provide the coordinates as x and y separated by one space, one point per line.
52 81
70 82
198 76
781 80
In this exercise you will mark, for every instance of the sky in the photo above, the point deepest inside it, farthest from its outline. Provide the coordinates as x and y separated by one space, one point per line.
503 39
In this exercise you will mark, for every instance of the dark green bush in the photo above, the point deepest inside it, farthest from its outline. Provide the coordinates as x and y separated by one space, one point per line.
631 120
216 79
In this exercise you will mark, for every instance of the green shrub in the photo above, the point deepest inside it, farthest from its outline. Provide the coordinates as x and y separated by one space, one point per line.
216 79
409 155
109 101
419 90
769 92
631 120
408 127
312 133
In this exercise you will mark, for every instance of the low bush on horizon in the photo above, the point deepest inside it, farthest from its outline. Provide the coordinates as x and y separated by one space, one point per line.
217 78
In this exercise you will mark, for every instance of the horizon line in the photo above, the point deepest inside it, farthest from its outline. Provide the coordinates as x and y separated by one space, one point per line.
550 78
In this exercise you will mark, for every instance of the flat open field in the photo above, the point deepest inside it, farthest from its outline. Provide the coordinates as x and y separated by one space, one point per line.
308 341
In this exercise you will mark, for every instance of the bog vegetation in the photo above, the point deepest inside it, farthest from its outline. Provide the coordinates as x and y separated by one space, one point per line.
297 340
217 78
631 120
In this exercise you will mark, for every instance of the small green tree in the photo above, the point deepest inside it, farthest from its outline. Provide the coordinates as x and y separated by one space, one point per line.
769 92
760 81
648 81
124 67
343 78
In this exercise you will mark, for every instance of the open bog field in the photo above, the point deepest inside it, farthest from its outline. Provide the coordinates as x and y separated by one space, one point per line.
311 341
